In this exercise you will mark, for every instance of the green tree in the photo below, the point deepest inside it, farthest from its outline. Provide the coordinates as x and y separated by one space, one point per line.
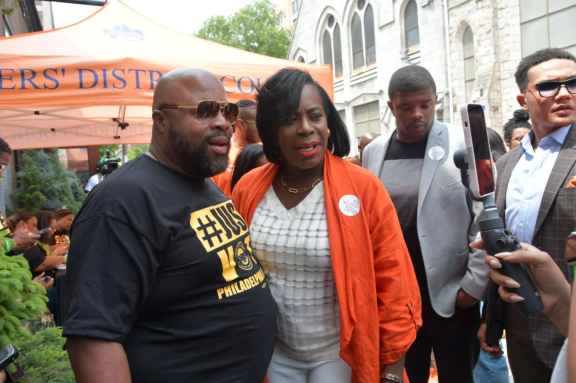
137 150
46 185
253 28
113 149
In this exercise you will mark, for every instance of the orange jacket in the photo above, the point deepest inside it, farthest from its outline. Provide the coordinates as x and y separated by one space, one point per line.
380 308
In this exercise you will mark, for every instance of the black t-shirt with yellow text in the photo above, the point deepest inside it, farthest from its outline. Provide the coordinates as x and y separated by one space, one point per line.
163 264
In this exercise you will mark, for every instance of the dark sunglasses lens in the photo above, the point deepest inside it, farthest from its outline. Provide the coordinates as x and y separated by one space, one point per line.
548 89
571 85
207 110
231 112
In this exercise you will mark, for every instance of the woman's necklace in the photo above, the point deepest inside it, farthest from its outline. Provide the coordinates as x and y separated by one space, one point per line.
296 191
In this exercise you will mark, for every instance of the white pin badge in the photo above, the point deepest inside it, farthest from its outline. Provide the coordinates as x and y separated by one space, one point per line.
436 153
349 205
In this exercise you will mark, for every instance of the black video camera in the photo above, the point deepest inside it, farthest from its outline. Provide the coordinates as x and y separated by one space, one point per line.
478 175
108 165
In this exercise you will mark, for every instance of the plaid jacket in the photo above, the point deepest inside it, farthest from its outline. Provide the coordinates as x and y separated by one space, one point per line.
556 219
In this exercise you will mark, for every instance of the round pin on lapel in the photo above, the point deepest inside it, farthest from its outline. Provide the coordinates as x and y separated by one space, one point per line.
436 153
349 205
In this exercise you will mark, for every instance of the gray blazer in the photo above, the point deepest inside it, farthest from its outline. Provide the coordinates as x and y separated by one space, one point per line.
556 219
445 226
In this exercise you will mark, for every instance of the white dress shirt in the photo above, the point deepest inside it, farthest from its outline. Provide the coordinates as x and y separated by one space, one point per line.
528 182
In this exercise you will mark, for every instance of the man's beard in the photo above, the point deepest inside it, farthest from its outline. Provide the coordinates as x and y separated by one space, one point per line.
194 156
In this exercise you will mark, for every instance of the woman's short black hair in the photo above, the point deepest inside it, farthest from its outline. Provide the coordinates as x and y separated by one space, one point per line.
279 99
497 146
245 162
519 120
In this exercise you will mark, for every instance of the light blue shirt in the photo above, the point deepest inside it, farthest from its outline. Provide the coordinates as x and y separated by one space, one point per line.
528 182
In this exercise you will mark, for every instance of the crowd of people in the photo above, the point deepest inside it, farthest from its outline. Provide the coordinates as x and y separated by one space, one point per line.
247 246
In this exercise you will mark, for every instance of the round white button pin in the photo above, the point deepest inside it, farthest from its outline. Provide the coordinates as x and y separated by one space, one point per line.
436 153
349 205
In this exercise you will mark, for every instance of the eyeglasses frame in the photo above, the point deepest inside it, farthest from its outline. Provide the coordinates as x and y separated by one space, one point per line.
222 105
562 84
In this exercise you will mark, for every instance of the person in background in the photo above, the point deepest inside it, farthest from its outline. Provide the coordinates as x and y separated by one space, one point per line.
497 146
21 238
362 143
532 198
36 256
328 238
94 180
415 164
251 157
516 128
245 133
46 219
64 220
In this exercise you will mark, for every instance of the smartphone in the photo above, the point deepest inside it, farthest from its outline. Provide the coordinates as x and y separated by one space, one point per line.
8 355
42 231
45 279
571 249
482 170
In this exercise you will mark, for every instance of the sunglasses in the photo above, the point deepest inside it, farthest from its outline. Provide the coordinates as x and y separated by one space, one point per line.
552 88
207 111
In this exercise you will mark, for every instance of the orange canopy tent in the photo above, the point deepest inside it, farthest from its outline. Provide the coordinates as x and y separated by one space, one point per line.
92 83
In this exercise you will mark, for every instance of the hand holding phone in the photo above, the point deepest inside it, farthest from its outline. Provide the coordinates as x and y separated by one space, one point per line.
8 355
42 231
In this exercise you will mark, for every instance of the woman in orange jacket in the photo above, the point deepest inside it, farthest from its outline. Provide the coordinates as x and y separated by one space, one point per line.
328 237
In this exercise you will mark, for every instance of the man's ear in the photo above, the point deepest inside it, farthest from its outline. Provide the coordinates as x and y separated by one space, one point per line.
240 123
391 106
159 119
521 98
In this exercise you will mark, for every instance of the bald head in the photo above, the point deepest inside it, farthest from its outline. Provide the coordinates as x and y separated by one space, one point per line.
180 84
364 140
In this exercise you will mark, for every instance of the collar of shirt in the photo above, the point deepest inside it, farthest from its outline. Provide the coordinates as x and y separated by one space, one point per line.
556 137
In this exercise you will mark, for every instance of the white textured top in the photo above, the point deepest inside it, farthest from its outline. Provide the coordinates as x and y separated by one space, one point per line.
293 249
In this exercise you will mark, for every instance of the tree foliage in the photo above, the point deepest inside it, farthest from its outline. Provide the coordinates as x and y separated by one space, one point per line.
20 297
253 28
113 149
137 150
44 184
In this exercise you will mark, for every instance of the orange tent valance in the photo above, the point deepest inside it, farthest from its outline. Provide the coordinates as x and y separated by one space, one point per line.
73 86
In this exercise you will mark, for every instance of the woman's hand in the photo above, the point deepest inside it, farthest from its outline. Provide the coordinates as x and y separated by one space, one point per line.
548 279
24 239
47 285
2 376
59 249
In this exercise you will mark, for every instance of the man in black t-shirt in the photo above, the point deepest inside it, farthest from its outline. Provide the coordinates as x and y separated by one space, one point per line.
415 165
162 284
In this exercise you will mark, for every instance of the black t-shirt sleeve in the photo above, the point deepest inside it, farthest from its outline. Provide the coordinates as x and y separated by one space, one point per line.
111 269
35 257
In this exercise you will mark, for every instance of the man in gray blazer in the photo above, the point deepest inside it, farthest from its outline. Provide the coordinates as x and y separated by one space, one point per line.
415 164
532 197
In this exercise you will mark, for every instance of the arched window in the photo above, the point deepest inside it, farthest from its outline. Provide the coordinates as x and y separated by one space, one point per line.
332 46
411 31
363 35
469 62
369 37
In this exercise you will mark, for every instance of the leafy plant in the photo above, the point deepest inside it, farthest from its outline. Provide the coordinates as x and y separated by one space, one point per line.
43 359
253 28
20 297
8 10
113 149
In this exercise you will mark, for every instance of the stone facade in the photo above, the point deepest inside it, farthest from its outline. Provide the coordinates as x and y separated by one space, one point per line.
495 25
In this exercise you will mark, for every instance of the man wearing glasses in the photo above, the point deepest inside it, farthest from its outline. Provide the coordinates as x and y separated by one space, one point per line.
532 197
245 133
162 283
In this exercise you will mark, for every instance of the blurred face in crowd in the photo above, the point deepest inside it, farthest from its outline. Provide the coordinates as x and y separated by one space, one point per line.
65 223
4 162
53 226
549 113
362 143
247 122
517 136
31 225
414 112
304 138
